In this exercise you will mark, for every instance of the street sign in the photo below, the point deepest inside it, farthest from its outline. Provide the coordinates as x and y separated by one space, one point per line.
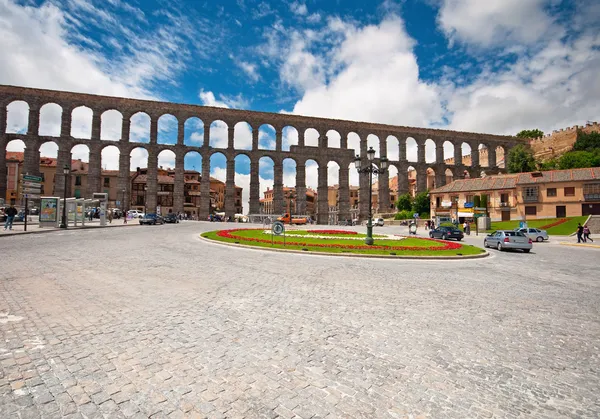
33 184
32 190
278 228
32 196
32 178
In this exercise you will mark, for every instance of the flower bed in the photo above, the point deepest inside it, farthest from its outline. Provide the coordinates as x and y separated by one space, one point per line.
332 232
554 224
437 245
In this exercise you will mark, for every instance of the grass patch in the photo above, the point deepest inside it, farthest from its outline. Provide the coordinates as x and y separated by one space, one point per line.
563 229
415 243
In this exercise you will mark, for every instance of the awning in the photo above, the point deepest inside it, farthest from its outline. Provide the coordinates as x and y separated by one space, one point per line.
465 214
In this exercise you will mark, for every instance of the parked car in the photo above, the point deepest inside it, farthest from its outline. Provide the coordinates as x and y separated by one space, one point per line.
445 233
534 233
378 222
171 218
135 214
152 219
508 239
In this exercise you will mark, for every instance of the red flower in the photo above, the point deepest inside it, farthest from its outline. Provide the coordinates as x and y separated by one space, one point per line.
332 232
554 224
446 245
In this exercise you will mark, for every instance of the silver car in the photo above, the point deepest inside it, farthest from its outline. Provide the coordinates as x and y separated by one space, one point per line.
534 233
508 239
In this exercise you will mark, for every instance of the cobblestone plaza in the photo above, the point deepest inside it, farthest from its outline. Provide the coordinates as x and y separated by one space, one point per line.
152 322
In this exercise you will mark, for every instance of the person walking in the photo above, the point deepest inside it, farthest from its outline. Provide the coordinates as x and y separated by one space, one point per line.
586 234
10 217
110 216
579 233
124 218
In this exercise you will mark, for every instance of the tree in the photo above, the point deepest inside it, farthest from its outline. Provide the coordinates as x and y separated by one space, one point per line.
483 201
530 133
551 164
587 141
477 201
421 202
579 159
404 202
520 159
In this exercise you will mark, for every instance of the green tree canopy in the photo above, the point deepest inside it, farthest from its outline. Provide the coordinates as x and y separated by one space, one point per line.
587 141
421 202
520 159
404 202
530 133
579 159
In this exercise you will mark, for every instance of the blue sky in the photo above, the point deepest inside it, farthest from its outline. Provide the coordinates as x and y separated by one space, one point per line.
494 66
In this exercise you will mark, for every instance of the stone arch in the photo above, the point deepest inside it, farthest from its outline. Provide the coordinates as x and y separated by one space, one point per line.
242 136
109 160
81 122
17 117
193 132
242 178
289 137
138 158
394 187
111 125
16 145
354 143
218 172
289 172
431 183
311 171
393 148
168 127
311 137
218 134
430 151
166 159
80 151
449 152
266 169
267 137
412 150
500 157
373 141
467 154
139 131
334 139
50 120
484 155
333 183
192 161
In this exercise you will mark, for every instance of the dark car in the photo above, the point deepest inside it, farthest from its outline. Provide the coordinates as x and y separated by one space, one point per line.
152 219
446 233
171 218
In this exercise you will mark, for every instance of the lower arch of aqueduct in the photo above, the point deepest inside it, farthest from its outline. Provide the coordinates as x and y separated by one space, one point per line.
300 153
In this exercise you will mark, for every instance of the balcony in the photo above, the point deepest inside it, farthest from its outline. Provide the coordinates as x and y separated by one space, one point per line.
591 197
530 198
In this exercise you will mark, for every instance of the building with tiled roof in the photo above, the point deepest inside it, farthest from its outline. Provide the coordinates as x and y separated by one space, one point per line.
521 196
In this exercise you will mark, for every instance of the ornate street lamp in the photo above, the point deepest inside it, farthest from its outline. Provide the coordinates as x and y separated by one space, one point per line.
63 222
145 189
370 170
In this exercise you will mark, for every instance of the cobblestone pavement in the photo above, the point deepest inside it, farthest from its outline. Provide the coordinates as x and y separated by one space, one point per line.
153 322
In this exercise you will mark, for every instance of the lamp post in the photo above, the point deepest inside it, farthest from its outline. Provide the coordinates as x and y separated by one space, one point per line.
63 222
145 189
123 201
370 170
289 196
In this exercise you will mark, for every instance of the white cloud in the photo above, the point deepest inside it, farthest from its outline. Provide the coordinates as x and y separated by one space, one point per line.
496 22
208 99
250 70
298 8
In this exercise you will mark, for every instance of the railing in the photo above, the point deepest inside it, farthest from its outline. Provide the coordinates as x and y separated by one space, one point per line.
591 197
530 198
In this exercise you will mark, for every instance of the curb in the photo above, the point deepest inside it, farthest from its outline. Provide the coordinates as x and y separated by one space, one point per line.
595 246
357 255
54 230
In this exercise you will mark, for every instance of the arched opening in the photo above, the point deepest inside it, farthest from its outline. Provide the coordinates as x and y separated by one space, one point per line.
289 137
242 136
192 166
333 187
139 131
449 153
411 150
289 186
430 149
81 122
334 139
500 157
267 196
111 125
138 162
14 160
431 179
17 117
242 183
50 120
467 158
16 146
218 173
109 161
266 137
80 157
449 176
373 141
48 162
218 134
165 185
393 148
412 181
166 161
168 128
311 137
394 187
312 181
354 143
484 156
193 132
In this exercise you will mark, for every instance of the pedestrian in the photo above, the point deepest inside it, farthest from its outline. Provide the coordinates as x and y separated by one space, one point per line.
10 217
465 227
124 218
468 228
586 234
110 216
579 233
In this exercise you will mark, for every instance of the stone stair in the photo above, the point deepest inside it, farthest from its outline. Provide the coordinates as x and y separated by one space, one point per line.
593 223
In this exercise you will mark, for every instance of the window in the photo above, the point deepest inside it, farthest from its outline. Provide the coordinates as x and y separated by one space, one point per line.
591 191
107 182
77 180
570 191
551 192
77 193
469 199
530 194
532 210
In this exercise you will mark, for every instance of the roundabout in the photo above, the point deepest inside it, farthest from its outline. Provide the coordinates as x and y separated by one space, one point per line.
344 242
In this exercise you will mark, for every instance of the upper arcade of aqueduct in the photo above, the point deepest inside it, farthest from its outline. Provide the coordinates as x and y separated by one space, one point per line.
300 153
